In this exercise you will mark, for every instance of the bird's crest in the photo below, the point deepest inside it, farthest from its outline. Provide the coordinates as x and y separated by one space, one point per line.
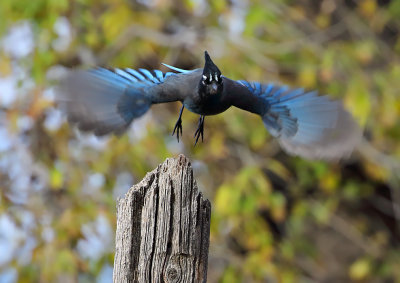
210 71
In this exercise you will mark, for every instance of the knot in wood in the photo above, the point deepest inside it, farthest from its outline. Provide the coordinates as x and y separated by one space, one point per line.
173 274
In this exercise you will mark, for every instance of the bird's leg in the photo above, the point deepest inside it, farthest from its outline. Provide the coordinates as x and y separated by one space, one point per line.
178 125
200 130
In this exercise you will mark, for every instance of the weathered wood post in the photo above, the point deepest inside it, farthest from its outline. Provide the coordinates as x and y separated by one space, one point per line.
163 228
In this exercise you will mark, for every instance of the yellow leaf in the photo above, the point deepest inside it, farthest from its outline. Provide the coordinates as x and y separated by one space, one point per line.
5 66
323 21
307 77
56 179
390 108
278 206
115 21
360 269
376 171
227 200
365 51
367 8
329 182
358 100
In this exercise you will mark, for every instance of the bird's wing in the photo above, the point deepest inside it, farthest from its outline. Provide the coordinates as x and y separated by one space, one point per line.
305 124
107 100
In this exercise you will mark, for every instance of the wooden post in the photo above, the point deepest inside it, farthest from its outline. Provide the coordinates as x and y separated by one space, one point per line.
163 228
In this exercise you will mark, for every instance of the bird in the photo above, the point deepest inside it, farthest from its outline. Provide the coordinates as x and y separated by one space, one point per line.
107 100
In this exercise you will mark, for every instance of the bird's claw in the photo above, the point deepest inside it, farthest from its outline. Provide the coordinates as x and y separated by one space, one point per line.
178 125
200 130
178 128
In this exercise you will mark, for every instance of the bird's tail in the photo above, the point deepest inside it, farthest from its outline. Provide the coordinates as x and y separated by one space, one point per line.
102 101
309 125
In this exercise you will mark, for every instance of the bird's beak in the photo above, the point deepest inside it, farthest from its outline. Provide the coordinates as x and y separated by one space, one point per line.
213 88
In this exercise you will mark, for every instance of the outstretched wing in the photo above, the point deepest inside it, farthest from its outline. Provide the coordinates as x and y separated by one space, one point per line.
107 100
305 124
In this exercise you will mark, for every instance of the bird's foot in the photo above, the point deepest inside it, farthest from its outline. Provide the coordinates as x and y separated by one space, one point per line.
178 128
178 125
200 130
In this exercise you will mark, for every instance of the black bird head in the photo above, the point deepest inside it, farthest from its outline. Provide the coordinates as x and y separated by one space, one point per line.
211 81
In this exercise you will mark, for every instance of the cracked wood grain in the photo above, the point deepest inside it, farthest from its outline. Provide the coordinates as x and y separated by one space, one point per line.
163 228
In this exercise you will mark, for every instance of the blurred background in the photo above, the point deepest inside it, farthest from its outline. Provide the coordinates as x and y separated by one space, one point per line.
275 218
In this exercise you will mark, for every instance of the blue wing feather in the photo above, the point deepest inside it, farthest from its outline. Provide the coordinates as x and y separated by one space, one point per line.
159 75
126 75
149 75
135 73
306 124
175 68
104 101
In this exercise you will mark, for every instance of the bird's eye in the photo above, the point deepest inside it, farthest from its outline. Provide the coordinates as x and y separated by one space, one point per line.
206 80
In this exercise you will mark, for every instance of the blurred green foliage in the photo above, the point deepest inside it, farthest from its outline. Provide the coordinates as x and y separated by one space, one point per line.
275 218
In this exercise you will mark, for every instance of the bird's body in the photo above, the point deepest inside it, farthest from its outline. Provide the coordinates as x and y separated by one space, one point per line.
105 101
175 88
207 105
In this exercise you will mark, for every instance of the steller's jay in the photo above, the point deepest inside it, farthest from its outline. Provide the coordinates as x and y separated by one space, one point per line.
308 125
